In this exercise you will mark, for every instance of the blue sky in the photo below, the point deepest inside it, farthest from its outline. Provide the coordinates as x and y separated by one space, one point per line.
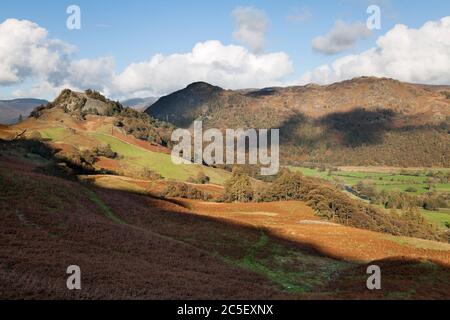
135 30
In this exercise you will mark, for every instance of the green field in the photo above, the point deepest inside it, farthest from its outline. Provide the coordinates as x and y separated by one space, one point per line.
440 218
161 163
382 181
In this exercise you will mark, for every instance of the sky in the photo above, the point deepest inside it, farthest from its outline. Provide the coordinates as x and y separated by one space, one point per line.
140 48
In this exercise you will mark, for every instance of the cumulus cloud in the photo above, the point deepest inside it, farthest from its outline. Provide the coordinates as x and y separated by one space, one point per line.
42 89
28 55
26 51
229 66
342 37
413 55
251 26
92 73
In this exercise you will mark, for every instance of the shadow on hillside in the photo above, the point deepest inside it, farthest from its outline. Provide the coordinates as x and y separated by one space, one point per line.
266 92
242 245
258 250
351 129
359 127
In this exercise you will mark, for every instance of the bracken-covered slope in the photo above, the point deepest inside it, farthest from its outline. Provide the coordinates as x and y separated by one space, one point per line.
134 246
364 121
49 223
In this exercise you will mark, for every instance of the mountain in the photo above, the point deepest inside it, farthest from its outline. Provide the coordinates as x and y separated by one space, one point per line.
139 104
184 106
363 121
10 110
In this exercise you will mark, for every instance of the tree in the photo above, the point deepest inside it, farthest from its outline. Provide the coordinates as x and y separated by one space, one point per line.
202 178
104 150
239 188
366 189
287 186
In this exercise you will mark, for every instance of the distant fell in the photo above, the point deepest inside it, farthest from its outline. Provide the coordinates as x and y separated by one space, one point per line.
139 104
363 121
184 106
11 110
204 100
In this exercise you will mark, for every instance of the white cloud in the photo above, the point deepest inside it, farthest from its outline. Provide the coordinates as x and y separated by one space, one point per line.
229 66
251 26
342 37
413 55
26 51
28 55
92 73
42 89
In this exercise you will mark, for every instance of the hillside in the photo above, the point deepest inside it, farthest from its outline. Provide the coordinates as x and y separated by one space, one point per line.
10 110
364 121
102 151
94 134
103 189
131 245
111 237
79 105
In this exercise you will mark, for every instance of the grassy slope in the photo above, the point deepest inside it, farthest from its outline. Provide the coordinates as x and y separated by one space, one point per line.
158 162
440 218
56 134
135 157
